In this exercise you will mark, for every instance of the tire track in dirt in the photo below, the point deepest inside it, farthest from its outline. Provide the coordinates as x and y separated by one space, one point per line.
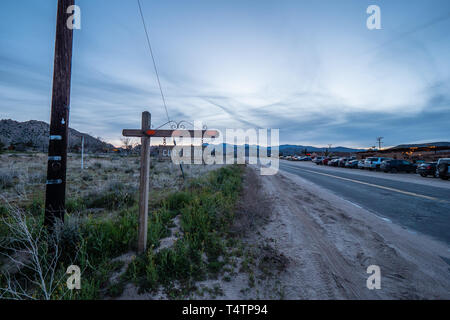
333 276
330 244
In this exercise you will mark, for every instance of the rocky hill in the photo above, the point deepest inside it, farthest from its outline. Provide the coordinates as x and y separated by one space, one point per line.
34 135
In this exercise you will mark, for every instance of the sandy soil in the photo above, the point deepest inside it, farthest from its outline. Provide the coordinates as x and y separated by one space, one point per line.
330 242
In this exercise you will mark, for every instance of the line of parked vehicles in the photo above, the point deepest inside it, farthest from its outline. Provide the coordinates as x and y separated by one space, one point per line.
439 169
296 158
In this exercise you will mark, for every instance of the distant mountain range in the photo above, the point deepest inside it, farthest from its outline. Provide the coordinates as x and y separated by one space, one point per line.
298 149
34 135
288 149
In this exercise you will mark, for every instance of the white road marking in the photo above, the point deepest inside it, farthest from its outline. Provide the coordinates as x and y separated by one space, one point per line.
353 204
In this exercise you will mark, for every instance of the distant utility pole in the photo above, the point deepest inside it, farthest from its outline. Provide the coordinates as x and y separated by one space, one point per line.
59 123
379 142
82 152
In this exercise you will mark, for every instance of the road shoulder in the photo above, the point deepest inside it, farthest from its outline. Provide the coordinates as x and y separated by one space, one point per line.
329 243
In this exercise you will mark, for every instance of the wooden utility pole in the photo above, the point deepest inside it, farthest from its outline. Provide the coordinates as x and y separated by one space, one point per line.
144 183
59 123
145 133
82 152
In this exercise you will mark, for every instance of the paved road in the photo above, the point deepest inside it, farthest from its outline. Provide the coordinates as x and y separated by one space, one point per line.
417 206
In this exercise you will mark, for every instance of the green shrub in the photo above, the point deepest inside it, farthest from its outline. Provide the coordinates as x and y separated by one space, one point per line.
206 208
115 197
36 207
178 200
74 205
110 238
6 179
3 210
97 165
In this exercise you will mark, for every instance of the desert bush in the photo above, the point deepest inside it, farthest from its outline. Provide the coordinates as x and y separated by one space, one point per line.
36 207
75 205
87 177
34 257
3 210
115 196
37 177
109 238
7 179
90 244
177 200
97 165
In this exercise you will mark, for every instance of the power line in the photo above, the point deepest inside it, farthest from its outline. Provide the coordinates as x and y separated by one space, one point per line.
153 59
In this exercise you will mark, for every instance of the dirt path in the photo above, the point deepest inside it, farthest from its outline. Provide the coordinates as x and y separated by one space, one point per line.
330 242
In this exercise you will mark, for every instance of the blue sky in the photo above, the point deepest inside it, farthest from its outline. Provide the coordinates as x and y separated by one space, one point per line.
310 68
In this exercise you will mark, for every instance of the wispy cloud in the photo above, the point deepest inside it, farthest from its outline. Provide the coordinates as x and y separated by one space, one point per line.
232 64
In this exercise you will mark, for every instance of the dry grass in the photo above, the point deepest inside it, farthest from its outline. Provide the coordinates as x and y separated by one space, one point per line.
102 208
101 224
22 176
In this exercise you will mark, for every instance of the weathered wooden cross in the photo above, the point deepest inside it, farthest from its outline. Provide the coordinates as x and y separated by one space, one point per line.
145 133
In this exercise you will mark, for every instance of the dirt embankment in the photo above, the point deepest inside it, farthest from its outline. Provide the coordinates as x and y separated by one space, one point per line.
321 245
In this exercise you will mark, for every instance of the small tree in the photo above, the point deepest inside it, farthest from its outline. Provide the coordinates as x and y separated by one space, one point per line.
127 144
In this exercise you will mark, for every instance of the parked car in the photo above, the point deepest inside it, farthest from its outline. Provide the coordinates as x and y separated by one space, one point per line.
318 160
325 161
305 158
367 162
361 164
342 161
353 164
443 168
333 162
374 163
394 166
427 169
